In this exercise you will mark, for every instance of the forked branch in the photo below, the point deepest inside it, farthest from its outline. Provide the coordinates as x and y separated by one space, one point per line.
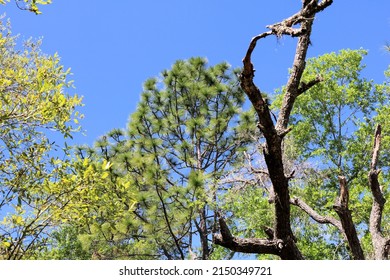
315 215
283 237
341 208
246 245
380 243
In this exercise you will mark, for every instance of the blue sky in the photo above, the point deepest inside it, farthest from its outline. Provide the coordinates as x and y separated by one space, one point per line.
112 47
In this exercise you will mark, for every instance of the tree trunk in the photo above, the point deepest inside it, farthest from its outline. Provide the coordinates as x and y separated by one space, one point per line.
380 243
283 241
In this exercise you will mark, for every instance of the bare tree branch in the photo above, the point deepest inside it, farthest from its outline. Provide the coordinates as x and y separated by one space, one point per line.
269 232
305 17
344 192
341 208
306 86
283 237
315 216
381 245
309 8
246 245
376 148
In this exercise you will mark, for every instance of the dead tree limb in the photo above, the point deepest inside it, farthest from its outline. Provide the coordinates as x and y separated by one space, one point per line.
380 243
274 134
246 245
341 208
315 216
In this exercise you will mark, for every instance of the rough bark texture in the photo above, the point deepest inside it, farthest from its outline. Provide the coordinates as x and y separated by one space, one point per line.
283 243
380 243
246 245
315 216
203 233
341 208
346 226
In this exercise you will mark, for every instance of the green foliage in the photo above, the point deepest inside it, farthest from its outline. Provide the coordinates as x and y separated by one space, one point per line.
159 191
100 209
152 191
33 102
189 126
66 246
252 206
327 116
333 132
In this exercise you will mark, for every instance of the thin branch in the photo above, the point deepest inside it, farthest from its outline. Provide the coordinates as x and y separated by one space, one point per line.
306 86
269 232
315 216
291 175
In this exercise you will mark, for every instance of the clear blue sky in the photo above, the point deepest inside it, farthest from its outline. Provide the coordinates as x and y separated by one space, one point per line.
112 47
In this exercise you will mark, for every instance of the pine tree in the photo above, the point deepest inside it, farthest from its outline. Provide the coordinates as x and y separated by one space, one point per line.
186 133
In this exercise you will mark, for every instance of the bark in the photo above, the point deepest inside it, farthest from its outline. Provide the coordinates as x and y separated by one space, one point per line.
246 245
168 224
346 226
341 208
315 216
380 243
281 241
283 237
203 233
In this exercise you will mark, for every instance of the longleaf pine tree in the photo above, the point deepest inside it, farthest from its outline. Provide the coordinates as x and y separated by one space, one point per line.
186 133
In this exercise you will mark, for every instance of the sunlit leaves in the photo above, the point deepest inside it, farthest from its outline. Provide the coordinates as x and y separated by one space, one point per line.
30 5
156 179
326 117
34 104
333 125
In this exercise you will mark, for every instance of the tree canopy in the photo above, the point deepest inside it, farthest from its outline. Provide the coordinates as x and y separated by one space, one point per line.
324 109
33 102
209 164
184 136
